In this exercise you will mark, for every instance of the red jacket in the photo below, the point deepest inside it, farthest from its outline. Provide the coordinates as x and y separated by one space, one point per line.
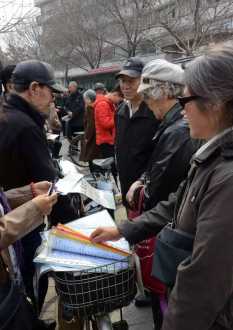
104 120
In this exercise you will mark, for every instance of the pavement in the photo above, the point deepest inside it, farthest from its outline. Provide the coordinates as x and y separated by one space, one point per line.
137 318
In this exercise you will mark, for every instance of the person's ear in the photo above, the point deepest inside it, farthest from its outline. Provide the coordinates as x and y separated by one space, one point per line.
9 87
34 88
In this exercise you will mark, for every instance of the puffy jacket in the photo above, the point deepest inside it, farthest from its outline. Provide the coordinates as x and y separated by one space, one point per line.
170 160
202 297
104 120
134 144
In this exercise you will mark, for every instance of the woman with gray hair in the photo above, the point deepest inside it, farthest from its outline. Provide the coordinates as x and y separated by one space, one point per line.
89 150
202 295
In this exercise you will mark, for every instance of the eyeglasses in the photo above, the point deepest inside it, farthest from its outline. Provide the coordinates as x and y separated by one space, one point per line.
186 99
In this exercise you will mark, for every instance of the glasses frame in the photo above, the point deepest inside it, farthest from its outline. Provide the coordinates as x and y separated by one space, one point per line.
183 100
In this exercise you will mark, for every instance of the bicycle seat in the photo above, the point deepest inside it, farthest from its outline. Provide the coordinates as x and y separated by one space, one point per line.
105 164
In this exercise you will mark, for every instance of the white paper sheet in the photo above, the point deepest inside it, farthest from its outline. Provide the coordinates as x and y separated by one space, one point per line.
101 197
73 182
71 177
51 136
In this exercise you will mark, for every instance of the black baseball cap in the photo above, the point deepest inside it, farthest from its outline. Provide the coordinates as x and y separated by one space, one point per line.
32 70
133 68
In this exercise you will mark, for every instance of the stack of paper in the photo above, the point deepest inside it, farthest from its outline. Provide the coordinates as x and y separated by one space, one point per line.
70 246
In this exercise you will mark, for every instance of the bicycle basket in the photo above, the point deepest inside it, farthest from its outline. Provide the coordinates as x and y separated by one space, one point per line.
98 290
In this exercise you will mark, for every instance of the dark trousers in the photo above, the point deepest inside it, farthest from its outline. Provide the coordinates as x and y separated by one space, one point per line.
156 311
107 150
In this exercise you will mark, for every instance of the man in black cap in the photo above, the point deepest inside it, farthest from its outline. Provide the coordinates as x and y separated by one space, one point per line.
135 128
24 151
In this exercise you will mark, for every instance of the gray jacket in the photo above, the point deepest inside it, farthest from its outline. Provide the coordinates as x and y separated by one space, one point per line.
202 297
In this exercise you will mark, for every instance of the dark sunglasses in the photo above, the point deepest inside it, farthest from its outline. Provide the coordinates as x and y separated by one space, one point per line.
186 99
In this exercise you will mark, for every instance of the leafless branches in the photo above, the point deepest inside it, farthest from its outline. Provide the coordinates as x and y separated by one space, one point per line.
189 24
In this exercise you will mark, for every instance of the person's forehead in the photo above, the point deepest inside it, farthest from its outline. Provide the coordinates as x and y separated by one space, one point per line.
128 78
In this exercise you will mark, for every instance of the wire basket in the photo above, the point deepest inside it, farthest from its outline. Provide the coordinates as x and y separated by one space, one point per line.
97 290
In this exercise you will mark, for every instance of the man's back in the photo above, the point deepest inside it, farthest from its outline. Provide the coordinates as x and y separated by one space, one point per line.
134 143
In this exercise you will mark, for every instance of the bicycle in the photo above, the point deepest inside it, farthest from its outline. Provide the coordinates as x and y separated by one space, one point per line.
90 295
75 149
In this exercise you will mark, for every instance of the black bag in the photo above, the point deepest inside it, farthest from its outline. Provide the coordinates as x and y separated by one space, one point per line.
16 313
172 247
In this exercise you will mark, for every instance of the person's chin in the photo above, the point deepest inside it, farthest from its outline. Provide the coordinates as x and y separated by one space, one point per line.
128 97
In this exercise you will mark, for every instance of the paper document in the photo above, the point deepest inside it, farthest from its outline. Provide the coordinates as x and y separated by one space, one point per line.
71 177
101 197
51 137
74 182
63 255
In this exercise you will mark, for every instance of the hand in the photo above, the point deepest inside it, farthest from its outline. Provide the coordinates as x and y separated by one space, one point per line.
41 188
45 203
103 234
69 113
130 193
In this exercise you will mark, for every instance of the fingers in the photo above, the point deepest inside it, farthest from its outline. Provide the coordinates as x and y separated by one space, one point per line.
52 198
105 234
94 237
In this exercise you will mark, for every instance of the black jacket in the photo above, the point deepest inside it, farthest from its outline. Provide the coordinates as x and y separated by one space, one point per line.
24 151
169 163
75 104
134 143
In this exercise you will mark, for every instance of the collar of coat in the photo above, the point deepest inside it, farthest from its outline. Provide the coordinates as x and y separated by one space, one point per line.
169 119
222 145
143 111
19 104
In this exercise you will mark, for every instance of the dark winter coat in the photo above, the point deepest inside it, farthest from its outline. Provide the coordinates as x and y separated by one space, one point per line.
24 151
134 144
75 104
202 297
170 160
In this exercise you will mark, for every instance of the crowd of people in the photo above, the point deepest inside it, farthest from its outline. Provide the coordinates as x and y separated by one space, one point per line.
170 133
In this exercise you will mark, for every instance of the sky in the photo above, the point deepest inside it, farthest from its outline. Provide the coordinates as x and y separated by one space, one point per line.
11 10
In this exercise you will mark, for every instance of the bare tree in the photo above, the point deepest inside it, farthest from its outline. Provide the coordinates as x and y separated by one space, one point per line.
76 43
13 13
25 42
183 26
126 24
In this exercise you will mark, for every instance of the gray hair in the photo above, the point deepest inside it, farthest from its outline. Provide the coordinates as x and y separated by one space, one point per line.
90 94
170 89
211 75
74 83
